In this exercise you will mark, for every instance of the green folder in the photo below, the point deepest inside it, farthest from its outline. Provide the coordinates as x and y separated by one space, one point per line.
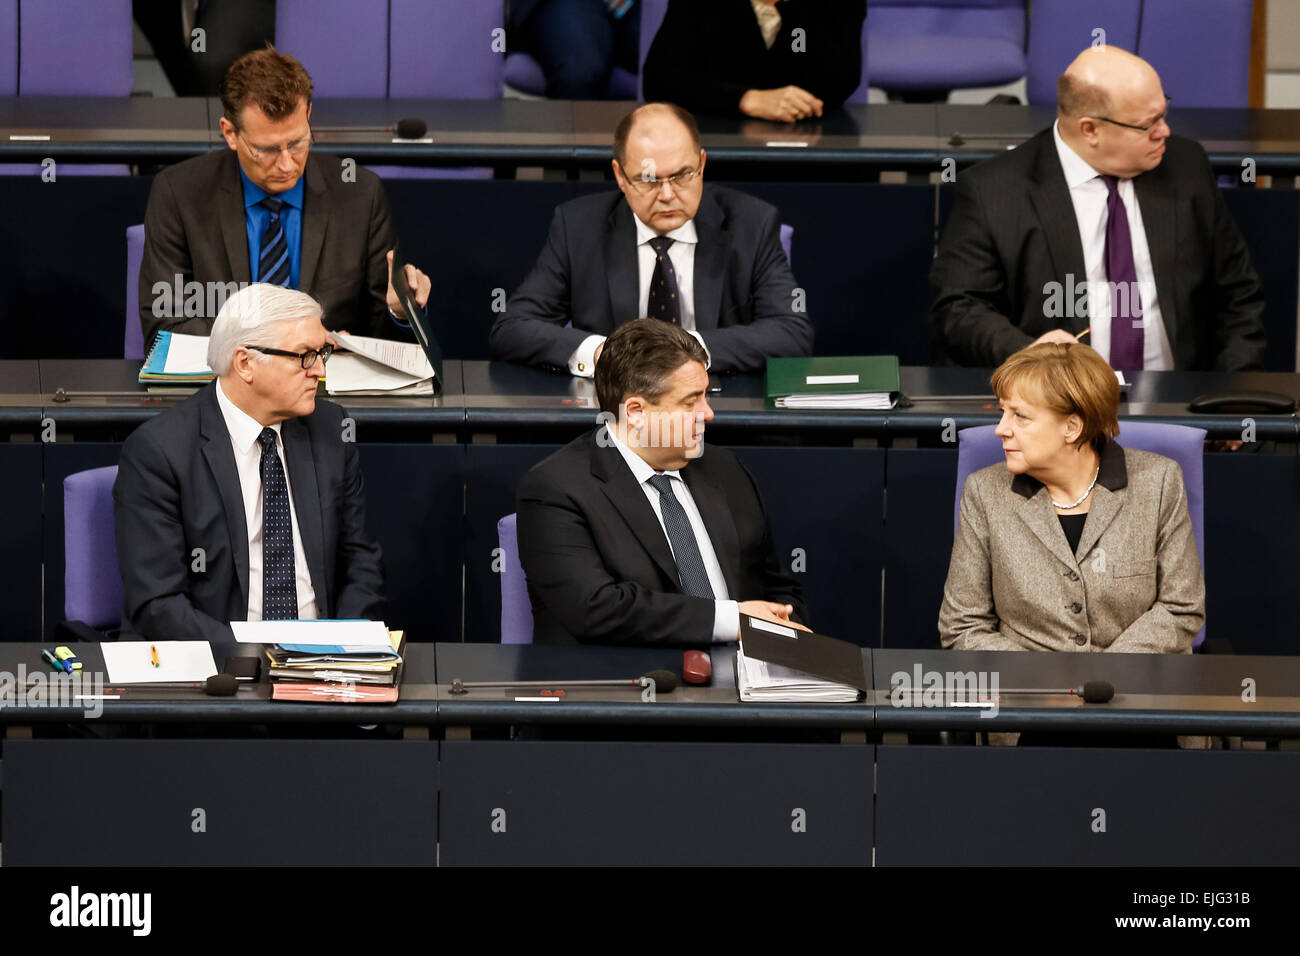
833 381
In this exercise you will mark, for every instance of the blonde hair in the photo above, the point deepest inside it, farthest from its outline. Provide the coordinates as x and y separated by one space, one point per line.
1070 379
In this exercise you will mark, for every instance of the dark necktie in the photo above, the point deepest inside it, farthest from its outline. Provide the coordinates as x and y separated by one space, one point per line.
1126 338
690 566
663 303
279 587
273 260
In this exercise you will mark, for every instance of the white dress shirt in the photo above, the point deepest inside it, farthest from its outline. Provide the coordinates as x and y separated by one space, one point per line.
1089 194
682 256
244 433
726 613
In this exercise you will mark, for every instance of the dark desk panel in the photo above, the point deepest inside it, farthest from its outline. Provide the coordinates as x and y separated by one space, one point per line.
221 802
116 129
564 803
20 569
1007 806
1175 694
20 411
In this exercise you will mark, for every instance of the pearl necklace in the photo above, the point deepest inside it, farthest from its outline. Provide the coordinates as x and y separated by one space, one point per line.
1083 497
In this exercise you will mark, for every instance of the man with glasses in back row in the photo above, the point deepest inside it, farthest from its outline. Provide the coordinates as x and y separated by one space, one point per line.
1107 222
705 258
268 210
245 502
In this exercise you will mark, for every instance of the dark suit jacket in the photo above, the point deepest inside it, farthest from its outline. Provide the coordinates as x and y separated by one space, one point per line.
707 53
177 489
194 227
1013 230
599 567
744 289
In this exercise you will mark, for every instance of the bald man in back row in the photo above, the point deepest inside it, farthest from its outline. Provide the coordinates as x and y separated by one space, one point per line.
1107 222
671 247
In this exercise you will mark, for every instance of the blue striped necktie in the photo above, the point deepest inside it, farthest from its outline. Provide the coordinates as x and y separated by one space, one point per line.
273 260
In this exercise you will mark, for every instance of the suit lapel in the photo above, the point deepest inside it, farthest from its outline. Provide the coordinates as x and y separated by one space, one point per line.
234 224
315 215
621 272
1051 199
1039 514
721 527
306 505
1160 221
620 487
220 458
711 252
1105 507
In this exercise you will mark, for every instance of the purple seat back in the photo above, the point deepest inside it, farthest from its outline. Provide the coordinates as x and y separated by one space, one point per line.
652 17
92 586
525 74
1060 29
443 49
66 169
75 48
787 234
342 43
1200 48
979 447
946 44
8 47
516 612
133 334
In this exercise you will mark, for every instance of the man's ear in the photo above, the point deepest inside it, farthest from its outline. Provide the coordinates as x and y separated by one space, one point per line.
228 131
634 409
703 157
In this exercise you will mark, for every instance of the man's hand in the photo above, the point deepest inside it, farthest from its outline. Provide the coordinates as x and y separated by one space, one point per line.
767 611
1056 335
417 280
1223 444
785 104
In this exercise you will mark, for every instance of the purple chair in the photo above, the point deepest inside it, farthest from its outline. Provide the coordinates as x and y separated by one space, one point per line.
1060 29
74 48
979 447
787 234
524 74
516 611
8 47
442 49
133 335
342 43
92 586
66 169
933 46
1200 48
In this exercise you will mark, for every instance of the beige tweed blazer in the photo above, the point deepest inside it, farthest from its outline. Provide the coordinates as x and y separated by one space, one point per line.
1134 583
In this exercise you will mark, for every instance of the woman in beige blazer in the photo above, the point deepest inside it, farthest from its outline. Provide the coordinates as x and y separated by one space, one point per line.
1074 543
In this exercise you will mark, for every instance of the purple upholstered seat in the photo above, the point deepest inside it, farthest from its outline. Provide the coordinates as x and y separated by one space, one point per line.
8 47
342 43
516 612
979 447
74 48
1200 48
919 45
92 586
442 49
1060 29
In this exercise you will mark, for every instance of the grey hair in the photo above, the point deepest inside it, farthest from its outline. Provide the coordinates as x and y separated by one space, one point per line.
257 314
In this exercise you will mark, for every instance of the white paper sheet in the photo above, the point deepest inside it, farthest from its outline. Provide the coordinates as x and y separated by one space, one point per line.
186 354
128 662
350 634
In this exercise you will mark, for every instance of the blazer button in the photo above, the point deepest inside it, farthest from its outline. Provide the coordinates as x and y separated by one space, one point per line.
1080 639
1072 575
1076 607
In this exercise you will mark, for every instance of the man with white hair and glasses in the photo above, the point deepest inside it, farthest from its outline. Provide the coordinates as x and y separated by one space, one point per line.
245 502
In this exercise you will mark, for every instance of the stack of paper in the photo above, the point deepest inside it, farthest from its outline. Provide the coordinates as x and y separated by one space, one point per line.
759 680
833 381
378 367
327 658
177 359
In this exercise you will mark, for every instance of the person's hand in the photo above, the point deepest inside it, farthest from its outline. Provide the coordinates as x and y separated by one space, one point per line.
768 611
785 104
417 280
1056 335
1223 444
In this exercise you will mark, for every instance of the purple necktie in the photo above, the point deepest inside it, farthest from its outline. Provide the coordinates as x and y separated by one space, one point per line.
1126 326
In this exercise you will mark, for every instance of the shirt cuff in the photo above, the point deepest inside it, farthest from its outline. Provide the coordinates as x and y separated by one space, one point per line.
708 356
726 622
402 323
582 362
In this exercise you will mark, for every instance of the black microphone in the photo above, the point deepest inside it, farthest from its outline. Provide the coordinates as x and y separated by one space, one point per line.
665 682
1092 692
221 685
405 129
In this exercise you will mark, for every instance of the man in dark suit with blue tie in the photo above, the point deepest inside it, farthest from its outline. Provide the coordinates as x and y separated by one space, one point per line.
705 258
246 501
268 210
638 532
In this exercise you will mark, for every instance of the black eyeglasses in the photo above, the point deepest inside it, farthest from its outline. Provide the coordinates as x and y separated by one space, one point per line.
307 358
1142 129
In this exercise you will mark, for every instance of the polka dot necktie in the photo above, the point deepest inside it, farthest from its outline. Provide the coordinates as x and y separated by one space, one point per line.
664 303
686 550
279 587
273 260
